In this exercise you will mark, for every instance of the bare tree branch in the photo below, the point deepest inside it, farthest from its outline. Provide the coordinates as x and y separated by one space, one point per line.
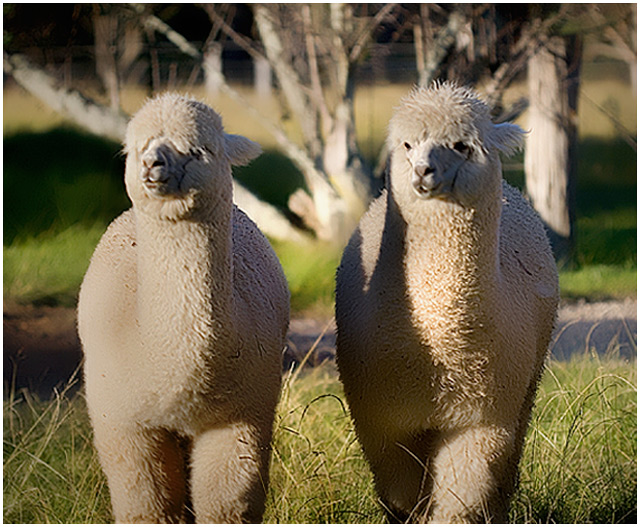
270 220
339 49
153 23
438 51
292 86
365 34
98 119
312 175
532 37
314 72
243 42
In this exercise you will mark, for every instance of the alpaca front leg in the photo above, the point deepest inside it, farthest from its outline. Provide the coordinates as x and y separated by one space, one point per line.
470 471
229 474
146 473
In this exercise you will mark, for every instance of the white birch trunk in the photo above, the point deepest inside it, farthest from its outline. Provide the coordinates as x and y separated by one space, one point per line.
262 77
105 28
212 65
547 161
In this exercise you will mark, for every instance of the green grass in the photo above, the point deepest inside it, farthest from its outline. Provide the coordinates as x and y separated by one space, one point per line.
318 473
48 268
579 463
56 202
51 470
310 270
599 282
580 459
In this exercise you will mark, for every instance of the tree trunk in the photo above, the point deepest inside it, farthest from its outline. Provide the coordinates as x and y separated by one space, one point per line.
212 65
262 77
431 51
105 30
550 152
343 164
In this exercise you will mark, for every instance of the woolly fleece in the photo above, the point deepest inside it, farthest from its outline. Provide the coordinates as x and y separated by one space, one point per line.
446 297
182 316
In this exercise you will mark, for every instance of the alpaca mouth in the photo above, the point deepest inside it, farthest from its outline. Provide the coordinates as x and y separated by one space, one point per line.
435 183
428 186
163 182
163 170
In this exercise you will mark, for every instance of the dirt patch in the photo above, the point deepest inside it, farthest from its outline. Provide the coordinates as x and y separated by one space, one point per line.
42 350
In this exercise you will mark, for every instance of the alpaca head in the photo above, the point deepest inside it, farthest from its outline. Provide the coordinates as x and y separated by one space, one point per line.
444 146
179 157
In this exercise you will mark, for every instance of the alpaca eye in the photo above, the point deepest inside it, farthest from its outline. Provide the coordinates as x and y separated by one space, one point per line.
407 146
461 147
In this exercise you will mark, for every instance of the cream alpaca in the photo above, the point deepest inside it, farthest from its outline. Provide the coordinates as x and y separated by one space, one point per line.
182 316
445 301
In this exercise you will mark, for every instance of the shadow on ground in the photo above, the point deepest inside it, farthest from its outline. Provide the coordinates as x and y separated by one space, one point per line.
42 351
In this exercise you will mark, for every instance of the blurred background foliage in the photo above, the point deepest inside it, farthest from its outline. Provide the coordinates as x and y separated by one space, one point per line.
62 186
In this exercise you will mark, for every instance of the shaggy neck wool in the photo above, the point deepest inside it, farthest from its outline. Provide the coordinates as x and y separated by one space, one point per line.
185 279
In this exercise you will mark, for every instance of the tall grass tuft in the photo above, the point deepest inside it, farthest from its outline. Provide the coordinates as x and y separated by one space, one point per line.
579 463
318 473
51 471
580 459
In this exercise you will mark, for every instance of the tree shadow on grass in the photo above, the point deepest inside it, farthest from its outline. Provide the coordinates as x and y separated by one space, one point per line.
61 177
57 178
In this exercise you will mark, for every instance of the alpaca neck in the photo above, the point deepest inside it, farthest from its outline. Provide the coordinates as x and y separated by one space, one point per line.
451 257
185 280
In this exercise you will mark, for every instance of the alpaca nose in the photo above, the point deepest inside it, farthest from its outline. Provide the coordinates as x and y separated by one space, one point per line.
155 165
425 180
423 169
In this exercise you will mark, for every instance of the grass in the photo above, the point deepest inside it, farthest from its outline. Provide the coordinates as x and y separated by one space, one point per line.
48 268
579 463
74 187
318 474
580 459
310 270
51 470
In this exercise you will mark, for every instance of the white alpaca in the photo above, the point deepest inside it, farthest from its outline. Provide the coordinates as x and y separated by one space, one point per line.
445 302
182 317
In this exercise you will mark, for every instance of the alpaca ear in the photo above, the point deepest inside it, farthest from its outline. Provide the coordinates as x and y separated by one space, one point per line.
507 137
240 150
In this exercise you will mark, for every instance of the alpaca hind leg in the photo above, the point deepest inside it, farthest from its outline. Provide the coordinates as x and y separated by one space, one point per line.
229 474
146 471
400 473
470 470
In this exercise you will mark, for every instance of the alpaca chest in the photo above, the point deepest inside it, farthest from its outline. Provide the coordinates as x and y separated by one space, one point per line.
187 345
423 391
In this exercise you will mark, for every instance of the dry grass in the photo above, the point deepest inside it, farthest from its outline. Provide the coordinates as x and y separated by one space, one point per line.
579 463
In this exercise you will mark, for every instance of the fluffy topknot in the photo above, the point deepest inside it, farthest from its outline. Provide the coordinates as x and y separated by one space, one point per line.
187 121
446 113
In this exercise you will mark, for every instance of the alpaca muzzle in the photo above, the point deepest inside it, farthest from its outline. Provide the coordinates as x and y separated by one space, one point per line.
161 171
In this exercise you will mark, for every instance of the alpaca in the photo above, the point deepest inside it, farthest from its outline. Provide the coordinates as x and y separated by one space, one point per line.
182 317
446 297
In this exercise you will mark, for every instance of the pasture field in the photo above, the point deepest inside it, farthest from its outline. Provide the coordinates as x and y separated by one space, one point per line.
57 203
579 463
580 459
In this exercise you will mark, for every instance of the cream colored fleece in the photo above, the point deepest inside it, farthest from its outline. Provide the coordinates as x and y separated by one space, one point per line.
182 316
446 297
